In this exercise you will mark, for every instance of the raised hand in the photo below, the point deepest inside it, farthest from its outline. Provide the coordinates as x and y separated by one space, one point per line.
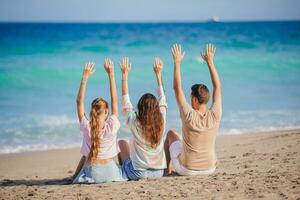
88 70
157 66
178 55
108 66
209 54
125 66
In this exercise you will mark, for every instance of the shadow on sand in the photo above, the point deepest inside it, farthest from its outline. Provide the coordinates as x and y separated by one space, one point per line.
32 182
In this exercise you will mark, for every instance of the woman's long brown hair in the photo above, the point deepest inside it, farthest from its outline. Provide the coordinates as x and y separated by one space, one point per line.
98 107
150 119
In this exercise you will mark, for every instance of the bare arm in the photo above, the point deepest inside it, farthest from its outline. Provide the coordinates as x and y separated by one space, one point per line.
79 166
109 68
125 68
88 70
177 57
157 67
208 56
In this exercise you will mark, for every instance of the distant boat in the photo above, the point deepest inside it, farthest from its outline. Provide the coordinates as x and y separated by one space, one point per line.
214 19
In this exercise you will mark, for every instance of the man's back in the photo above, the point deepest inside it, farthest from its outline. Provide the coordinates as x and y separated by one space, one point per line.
195 153
199 134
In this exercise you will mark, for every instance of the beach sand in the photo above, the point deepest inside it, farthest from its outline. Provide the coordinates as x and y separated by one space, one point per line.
250 166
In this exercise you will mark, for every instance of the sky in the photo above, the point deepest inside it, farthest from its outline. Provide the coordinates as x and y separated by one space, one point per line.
147 10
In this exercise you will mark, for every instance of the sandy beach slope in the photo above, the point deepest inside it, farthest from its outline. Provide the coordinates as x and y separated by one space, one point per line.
250 166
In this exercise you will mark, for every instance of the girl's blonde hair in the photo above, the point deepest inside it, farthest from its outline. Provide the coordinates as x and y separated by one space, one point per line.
98 107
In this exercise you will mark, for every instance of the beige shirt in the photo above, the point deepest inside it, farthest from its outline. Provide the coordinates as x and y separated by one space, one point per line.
199 133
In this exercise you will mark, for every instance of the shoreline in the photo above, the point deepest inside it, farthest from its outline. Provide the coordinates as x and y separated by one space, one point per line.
218 136
250 166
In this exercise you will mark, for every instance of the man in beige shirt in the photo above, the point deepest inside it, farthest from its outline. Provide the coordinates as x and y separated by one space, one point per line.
195 153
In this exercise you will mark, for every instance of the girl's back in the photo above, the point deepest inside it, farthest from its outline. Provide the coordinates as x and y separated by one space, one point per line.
100 133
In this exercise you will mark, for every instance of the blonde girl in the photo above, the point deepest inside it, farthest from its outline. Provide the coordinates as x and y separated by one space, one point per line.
99 132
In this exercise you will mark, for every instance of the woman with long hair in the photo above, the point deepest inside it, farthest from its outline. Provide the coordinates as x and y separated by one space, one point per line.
144 156
99 145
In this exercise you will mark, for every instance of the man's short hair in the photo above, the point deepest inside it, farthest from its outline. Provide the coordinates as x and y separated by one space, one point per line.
201 92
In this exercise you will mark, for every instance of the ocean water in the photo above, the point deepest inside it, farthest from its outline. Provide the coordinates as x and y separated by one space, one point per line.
41 66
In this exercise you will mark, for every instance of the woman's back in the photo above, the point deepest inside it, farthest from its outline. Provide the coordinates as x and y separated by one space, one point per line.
143 154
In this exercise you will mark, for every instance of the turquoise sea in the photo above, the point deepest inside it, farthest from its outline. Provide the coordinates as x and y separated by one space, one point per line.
41 66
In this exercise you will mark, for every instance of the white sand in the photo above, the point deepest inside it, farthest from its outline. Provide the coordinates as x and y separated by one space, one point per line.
250 166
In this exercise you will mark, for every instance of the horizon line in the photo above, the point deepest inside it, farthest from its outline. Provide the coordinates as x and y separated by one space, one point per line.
149 22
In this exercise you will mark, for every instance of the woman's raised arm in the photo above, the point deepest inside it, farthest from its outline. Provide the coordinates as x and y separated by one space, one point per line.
157 68
125 68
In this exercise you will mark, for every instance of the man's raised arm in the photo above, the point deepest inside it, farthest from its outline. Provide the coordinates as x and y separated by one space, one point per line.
177 57
208 56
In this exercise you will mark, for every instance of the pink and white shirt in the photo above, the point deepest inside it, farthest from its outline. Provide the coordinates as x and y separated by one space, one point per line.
108 138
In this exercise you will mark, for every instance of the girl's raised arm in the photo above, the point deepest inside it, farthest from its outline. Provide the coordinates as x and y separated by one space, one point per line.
109 68
127 108
88 70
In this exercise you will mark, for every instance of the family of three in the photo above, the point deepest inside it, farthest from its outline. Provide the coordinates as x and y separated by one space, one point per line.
151 151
